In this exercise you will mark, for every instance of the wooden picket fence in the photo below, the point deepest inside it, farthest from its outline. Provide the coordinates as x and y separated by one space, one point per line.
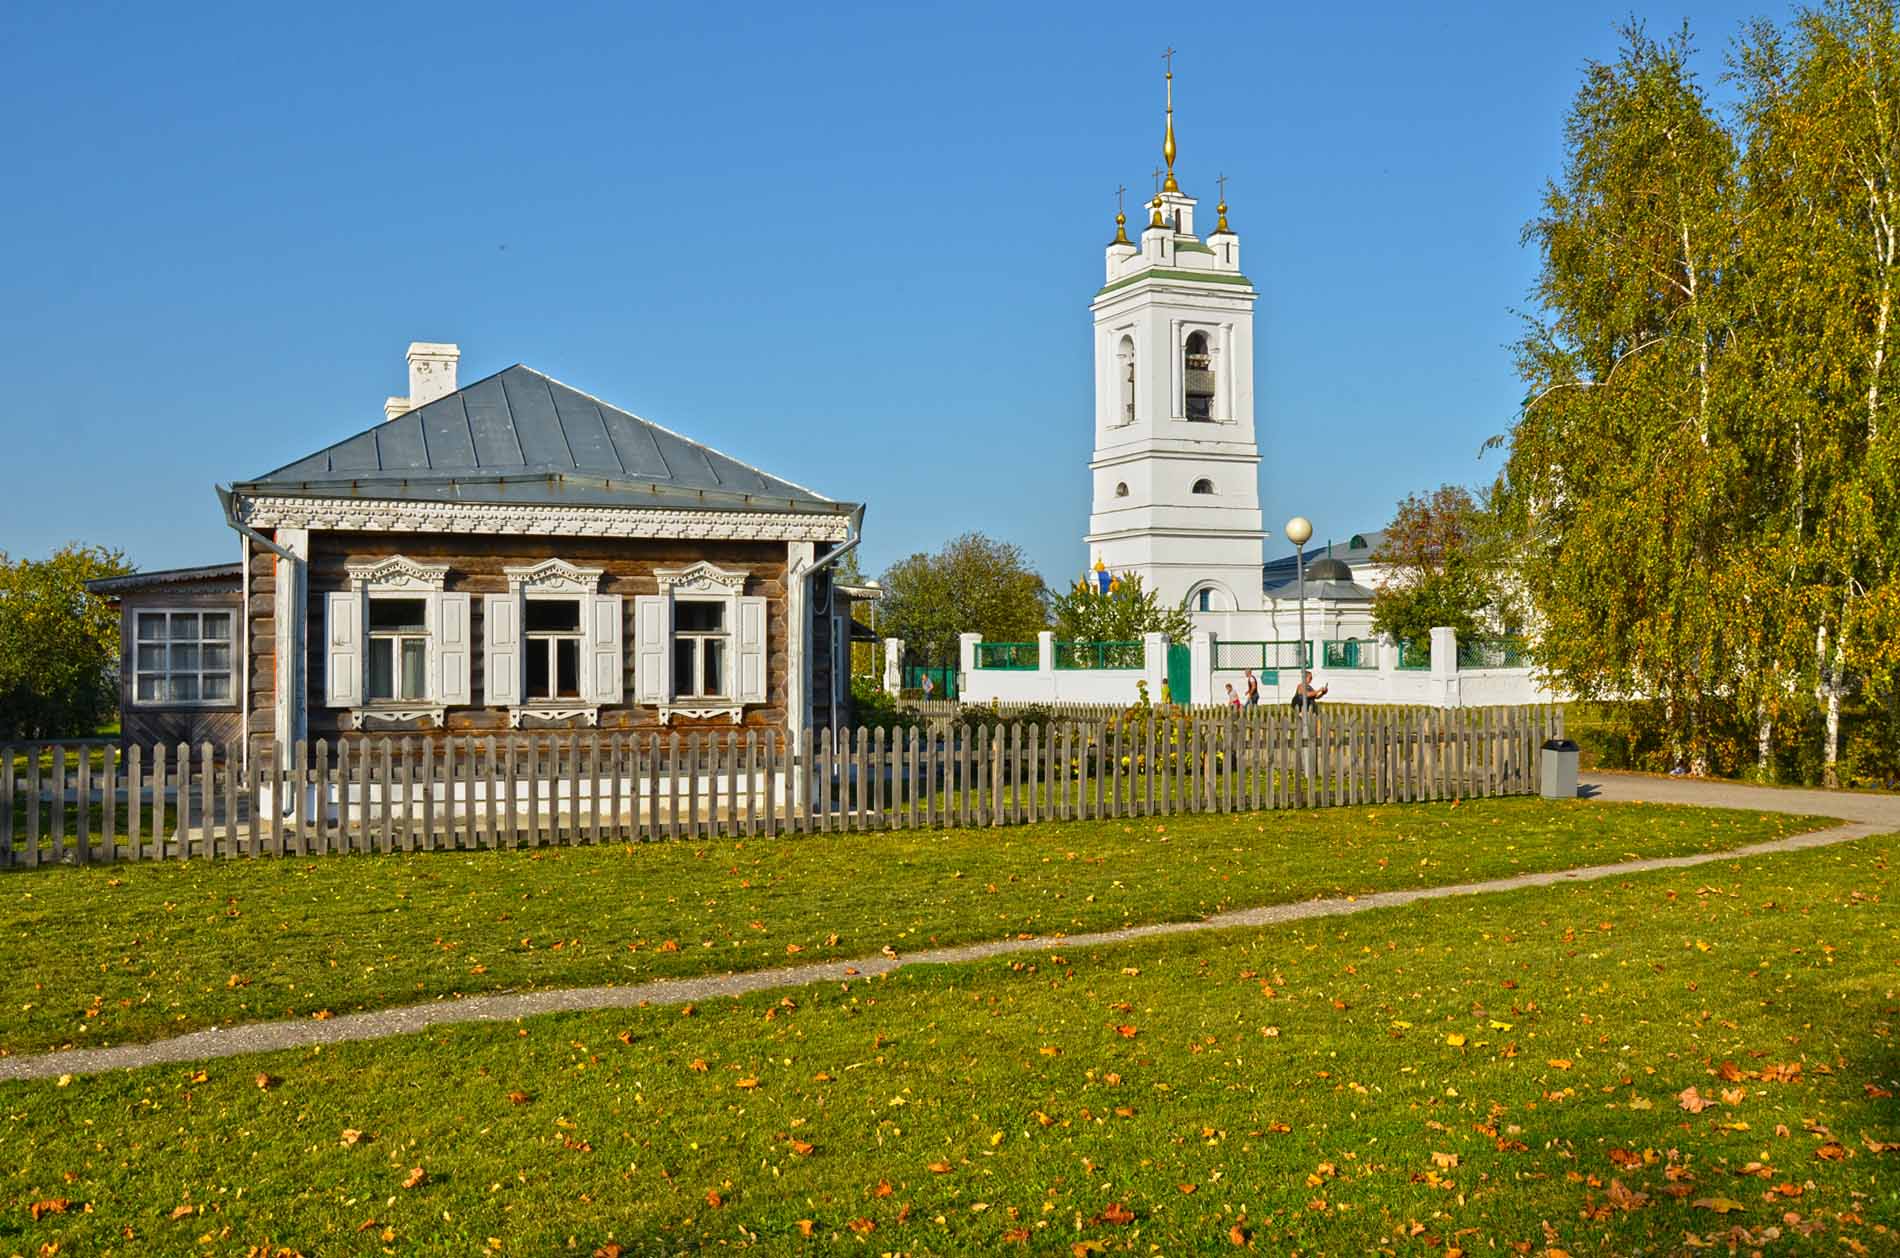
90 803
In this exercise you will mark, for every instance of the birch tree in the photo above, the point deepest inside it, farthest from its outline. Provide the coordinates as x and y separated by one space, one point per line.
1621 463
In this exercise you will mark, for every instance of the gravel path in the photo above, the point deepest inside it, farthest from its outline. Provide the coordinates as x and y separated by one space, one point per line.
1869 814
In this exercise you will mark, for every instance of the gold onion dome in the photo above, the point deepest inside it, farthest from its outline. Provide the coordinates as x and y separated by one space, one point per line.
1156 221
1121 229
1221 226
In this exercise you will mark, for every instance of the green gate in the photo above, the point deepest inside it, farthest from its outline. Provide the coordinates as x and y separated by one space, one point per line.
1180 673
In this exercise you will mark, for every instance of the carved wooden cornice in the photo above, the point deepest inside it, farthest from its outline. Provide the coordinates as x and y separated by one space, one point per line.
556 575
399 572
395 516
702 577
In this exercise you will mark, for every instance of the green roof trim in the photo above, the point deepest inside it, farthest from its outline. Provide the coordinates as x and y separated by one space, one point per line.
1205 277
1190 245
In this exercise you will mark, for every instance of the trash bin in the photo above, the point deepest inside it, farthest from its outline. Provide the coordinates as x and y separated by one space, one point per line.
1558 768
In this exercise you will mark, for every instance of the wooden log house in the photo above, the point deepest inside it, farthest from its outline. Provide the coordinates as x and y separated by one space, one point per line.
512 555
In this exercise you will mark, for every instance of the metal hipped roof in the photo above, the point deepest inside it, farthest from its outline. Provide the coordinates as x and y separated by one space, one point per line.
521 436
164 576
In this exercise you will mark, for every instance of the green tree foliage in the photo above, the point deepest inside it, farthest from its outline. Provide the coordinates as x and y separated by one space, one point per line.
1704 470
59 646
1439 570
1123 614
975 584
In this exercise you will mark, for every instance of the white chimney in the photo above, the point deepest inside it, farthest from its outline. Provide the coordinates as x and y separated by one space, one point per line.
431 371
431 376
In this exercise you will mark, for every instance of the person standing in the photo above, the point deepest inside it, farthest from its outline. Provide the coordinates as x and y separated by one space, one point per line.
1233 698
1253 690
1304 696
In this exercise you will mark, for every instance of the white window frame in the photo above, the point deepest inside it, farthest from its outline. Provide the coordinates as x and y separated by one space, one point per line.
748 656
506 642
398 640
229 672
696 640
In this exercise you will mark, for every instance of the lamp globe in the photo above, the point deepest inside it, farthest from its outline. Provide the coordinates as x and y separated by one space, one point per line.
1298 530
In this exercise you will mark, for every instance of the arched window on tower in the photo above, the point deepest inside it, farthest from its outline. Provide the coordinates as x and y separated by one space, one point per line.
1198 377
1121 489
1125 378
1203 486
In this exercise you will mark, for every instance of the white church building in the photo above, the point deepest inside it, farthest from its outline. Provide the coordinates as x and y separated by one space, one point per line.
1175 501
1175 469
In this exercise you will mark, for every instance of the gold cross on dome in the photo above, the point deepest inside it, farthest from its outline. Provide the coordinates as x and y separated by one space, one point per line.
1222 181
1120 191
1168 57
1157 181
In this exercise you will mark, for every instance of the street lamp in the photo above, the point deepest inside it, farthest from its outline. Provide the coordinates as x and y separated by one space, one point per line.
1299 530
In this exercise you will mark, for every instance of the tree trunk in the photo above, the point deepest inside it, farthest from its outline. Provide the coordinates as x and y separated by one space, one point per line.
1764 744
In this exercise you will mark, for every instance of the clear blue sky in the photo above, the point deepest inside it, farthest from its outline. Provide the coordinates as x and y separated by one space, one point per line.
854 247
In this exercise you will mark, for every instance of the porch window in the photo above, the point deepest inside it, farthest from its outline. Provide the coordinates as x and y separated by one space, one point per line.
398 649
700 642
182 657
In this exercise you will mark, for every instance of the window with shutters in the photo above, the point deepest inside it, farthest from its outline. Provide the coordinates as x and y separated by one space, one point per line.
396 643
700 644
551 646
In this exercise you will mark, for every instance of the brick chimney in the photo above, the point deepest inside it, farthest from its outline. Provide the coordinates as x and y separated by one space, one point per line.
431 376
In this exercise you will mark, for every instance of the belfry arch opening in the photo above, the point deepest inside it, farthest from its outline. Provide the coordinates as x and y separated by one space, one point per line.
1197 374
1125 378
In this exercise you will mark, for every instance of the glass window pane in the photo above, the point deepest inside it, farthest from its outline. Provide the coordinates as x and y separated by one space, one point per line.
148 688
185 689
151 626
217 687
538 671
216 655
683 667
695 617
151 658
217 626
398 613
714 673
414 653
568 670
184 626
552 615
184 657
382 669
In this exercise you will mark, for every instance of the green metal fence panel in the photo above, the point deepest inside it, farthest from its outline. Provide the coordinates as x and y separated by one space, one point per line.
1099 655
1268 655
1413 658
1499 652
1019 656
1351 653
943 681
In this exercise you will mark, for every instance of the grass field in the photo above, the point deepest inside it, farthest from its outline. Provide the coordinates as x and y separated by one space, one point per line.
130 952
1671 1061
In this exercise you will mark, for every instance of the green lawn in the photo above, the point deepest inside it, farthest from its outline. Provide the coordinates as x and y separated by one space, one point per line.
104 955
1496 1074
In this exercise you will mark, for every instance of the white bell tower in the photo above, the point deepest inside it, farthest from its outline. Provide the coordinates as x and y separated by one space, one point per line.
1176 466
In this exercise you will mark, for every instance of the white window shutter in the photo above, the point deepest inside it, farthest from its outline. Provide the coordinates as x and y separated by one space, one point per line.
751 651
652 625
342 651
603 649
452 649
501 649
